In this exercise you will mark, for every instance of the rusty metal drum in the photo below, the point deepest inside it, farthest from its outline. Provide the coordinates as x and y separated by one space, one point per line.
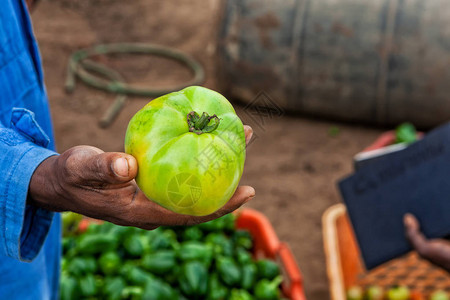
372 61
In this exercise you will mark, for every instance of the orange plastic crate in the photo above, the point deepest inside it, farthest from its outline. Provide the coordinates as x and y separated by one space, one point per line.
267 244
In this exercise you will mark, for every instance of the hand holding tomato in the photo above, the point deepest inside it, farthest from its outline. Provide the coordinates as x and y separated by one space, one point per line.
101 185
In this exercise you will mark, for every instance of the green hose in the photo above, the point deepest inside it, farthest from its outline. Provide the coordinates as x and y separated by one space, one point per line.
104 78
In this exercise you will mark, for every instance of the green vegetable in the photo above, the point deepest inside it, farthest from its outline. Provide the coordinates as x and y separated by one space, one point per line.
137 276
132 292
374 292
192 233
240 295
439 295
109 263
176 138
249 276
113 288
162 239
67 243
267 269
228 270
242 238
243 256
106 228
88 286
69 289
223 224
159 262
268 290
210 262
355 293
93 228
96 243
193 279
222 245
405 133
216 290
193 250
172 276
79 266
156 289
133 245
398 292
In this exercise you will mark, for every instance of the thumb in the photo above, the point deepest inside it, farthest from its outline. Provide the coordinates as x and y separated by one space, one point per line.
111 167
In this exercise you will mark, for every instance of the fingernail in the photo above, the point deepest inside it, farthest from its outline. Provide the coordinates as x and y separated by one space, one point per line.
249 198
407 220
121 167
249 136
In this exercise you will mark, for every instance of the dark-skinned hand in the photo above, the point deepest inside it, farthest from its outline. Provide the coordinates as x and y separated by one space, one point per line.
101 185
436 251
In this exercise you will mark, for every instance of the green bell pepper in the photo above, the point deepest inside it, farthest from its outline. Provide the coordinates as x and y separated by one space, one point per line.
109 263
216 290
137 276
193 250
193 279
113 288
240 295
96 243
249 275
192 233
133 245
159 262
242 238
132 292
156 289
162 239
243 256
87 285
221 243
228 270
266 289
222 224
267 269
405 133
79 266
68 289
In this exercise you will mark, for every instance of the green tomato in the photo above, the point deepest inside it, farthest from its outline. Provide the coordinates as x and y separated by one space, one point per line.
439 295
355 293
190 148
374 292
398 293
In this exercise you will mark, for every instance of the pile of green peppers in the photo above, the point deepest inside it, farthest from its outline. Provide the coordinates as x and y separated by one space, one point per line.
210 261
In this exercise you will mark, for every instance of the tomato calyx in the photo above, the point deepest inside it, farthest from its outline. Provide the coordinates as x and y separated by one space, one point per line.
202 124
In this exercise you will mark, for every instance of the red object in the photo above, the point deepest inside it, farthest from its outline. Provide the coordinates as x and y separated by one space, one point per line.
385 139
267 244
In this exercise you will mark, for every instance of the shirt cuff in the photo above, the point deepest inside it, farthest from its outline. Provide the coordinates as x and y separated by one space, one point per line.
26 226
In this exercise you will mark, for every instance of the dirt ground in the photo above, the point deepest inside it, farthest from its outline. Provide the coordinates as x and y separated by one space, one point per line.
293 162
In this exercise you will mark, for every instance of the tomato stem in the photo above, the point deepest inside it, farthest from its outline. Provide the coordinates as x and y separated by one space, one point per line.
202 124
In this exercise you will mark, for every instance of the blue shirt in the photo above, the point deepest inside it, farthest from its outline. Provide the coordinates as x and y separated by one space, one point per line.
30 248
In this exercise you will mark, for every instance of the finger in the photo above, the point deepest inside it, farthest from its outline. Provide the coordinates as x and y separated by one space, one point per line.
145 213
109 167
248 133
414 235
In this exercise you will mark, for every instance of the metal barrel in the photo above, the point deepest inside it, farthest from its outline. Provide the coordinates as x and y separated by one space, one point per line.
372 61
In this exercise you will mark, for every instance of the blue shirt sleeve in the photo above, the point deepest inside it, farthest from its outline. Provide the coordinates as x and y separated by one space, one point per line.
23 227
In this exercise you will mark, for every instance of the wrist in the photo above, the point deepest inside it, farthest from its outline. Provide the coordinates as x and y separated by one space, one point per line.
43 188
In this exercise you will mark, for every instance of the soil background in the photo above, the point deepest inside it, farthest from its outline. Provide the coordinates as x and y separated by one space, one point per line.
293 162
